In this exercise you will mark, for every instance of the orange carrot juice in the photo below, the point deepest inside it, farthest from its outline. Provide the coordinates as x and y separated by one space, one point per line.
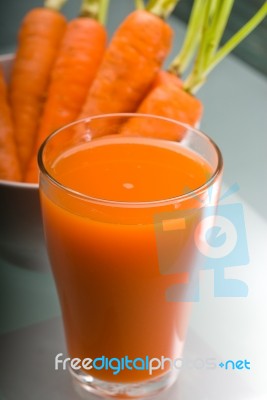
101 237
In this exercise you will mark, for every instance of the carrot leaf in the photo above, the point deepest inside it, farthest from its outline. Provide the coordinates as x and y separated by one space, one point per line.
161 8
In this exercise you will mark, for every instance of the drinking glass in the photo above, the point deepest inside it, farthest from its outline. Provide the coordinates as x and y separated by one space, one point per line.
123 199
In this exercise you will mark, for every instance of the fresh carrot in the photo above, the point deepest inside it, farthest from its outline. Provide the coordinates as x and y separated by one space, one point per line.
166 78
9 164
171 100
131 62
168 99
78 59
39 39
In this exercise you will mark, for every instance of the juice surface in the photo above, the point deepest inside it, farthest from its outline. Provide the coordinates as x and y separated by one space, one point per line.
111 285
131 170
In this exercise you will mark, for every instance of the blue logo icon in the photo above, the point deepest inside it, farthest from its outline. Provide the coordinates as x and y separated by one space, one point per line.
204 238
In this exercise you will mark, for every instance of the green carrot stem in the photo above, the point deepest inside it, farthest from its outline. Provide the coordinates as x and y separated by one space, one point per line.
103 11
161 8
191 41
196 77
217 27
213 8
238 37
139 4
95 9
54 4
208 57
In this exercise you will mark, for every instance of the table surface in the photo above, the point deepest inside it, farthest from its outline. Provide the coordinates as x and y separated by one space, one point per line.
228 328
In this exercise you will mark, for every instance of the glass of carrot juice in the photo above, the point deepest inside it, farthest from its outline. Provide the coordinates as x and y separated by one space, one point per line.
122 198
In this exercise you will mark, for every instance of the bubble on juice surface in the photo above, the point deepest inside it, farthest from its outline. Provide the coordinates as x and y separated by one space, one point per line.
128 185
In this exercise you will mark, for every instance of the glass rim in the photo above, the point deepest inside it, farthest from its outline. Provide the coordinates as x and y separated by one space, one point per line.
130 204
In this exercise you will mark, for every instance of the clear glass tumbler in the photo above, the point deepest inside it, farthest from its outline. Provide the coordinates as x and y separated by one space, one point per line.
123 197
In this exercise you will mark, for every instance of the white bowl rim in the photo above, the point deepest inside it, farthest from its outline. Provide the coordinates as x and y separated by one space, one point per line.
19 185
7 57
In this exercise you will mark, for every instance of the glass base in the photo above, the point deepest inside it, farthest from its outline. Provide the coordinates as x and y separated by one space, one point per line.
86 385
